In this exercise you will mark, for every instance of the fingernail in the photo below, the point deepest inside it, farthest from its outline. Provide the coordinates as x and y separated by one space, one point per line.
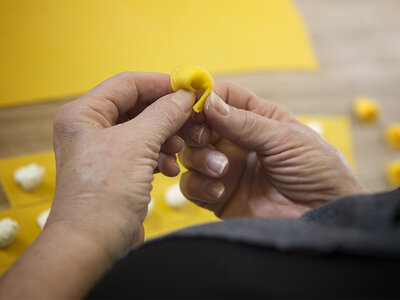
216 162
181 143
184 99
219 105
177 168
196 133
214 189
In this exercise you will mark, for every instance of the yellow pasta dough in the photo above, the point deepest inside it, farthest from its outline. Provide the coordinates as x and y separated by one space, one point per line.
193 78
392 135
393 173
366 109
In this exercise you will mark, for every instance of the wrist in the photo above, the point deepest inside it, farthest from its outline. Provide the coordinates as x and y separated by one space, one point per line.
78 239
69 261
98 237
110 227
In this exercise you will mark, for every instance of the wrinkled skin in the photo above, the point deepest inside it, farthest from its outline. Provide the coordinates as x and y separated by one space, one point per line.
266 163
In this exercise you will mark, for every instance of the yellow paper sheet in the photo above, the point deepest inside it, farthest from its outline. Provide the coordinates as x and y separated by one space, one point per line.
51 49
27 206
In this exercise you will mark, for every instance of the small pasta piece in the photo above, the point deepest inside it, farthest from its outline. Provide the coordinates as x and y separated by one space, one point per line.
316 126
174 197
392 135
42 218
29 177
393 173
150 207
366 109
8 231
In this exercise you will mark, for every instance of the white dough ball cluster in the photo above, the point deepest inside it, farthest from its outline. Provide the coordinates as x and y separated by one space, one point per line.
174 197
42 218
8 231
29 177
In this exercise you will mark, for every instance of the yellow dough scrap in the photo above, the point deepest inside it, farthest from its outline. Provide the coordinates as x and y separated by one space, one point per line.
393 173
193 78
366 109
392 135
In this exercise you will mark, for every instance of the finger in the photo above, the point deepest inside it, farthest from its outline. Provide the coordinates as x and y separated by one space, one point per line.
125 89
163 118
200 188
199 117
206 160
244 128
167 165
195 135
172 145
140 106
110 100
242 98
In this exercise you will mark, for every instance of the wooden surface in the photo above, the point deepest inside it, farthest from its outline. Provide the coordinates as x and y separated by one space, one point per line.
357 43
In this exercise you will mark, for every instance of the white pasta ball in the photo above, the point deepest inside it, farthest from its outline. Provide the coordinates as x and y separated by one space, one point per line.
150 207
174 197
29 177
316 126
42 218
8 231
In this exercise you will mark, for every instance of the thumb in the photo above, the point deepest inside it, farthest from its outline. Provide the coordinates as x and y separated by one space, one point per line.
244 128
165 116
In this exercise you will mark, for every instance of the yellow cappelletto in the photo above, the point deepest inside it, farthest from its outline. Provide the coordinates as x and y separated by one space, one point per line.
193 78
393 173
392 135
366 109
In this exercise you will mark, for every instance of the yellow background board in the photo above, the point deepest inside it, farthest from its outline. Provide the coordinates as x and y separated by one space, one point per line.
51 49
163 219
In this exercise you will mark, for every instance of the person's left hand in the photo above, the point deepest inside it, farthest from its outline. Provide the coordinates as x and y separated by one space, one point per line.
107 145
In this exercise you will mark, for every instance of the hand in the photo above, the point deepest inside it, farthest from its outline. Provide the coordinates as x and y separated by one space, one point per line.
107 145
253 158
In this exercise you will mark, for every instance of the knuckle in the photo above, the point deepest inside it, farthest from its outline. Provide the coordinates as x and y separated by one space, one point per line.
170 116
126 75
62 117
66 121
184 184
183 157
250 121
167 120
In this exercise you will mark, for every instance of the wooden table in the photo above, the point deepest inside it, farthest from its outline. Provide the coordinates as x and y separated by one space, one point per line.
357 43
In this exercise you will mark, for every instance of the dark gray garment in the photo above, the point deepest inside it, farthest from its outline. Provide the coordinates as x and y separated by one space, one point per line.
360 225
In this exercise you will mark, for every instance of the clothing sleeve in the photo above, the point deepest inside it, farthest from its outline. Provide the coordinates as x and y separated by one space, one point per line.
349 248
205 268
364 212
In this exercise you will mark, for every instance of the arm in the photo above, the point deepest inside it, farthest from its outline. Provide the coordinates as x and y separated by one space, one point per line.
61 263
107 144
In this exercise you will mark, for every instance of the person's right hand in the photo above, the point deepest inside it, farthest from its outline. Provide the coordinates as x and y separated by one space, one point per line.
251 157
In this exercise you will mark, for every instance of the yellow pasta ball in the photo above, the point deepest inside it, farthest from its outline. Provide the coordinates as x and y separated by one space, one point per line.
366 109
393 173
392 135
